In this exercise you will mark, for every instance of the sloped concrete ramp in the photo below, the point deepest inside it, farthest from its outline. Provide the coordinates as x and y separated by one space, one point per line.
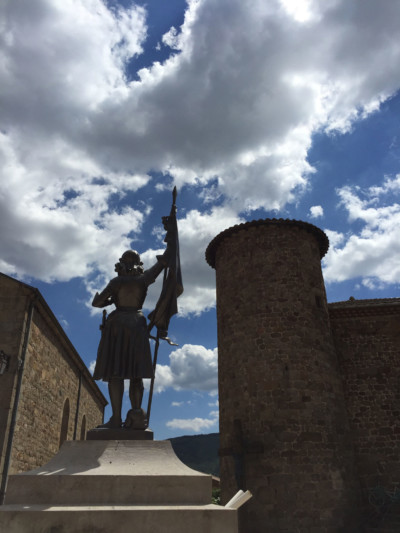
114 486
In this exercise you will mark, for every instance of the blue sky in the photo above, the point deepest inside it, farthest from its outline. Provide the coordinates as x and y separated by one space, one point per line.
253 109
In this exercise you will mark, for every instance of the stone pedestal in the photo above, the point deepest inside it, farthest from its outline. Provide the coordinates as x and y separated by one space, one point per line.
111 487
119 434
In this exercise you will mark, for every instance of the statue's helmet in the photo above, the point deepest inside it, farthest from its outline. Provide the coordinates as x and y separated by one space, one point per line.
130 257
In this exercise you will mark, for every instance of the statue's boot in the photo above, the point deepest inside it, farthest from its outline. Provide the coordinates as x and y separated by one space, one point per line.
136 419
113 423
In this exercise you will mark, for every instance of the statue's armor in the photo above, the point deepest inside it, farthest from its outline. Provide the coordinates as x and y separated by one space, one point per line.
124 349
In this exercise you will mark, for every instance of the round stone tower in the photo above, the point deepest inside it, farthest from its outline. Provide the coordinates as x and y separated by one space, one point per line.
284 433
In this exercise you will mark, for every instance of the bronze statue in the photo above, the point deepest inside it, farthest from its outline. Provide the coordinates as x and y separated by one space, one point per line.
124 349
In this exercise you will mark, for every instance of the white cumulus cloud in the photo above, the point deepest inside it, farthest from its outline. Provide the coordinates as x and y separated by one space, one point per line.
92 366
231 112
193 424
192 367
316 211
373 252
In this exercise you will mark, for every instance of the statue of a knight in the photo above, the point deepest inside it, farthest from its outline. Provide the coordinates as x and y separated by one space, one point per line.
124 349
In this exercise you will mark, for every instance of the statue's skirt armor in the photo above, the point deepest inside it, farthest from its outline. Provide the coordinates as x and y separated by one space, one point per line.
124 349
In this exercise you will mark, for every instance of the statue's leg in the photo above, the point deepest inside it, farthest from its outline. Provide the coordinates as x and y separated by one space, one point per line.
136 418
136 392
116 391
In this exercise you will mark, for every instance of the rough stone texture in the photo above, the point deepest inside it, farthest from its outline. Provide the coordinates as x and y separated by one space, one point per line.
12 326
367 338
279 376
51 377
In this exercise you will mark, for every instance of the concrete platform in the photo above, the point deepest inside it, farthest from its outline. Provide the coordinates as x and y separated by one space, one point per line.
114 486
119 434
111 473
118 519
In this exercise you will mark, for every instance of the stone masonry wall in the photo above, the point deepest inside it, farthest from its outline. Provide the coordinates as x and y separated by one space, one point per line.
92 411
283 423
368 345
50 378
13 302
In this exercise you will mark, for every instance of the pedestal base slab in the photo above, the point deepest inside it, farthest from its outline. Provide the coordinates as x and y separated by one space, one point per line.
118 519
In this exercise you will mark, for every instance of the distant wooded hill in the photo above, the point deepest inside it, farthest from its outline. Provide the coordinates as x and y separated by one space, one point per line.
199 452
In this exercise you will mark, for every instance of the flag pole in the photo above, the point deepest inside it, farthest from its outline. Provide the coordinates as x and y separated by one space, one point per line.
171 289
157 339
152 381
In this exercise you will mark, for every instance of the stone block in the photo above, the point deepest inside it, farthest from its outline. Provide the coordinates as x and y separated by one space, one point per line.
118 519
119 434
111 472
114 487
